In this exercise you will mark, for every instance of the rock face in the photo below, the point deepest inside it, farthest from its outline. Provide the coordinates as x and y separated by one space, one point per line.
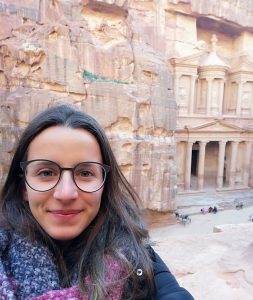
213 266
239 12
111 59
97 55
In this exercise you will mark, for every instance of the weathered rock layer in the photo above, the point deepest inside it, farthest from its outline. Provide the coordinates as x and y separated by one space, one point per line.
110 58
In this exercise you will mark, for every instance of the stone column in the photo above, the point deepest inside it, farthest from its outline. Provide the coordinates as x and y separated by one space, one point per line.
198 95
209 95
227 93
233 161
201 165
176 86
251 110
246 166
239 98
188 163
192 95
221 97
222 147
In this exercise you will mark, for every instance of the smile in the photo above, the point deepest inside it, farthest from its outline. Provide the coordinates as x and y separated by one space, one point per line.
64 214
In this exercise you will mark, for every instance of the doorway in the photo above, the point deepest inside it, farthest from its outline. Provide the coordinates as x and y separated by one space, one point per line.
211 165
194 166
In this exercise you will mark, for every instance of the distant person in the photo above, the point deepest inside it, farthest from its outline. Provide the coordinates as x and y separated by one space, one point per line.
239 205
251 217
210 209
215 210
176 214
203 211
71 227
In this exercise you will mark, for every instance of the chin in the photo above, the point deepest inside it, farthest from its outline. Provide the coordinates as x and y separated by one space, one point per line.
64 236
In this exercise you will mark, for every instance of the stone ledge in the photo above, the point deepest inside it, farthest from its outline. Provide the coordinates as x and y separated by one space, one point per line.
233 227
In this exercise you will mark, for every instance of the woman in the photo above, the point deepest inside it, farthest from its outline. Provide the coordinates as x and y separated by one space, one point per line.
71 228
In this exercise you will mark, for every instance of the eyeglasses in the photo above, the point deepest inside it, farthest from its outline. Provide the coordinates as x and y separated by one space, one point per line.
43 175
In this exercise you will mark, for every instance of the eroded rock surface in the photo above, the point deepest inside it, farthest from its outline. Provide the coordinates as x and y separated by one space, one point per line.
112 59
92 54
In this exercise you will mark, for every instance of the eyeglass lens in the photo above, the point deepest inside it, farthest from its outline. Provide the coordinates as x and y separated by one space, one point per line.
44 175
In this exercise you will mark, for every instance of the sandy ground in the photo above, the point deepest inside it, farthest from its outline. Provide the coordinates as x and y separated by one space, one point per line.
166 223
210 265
200 223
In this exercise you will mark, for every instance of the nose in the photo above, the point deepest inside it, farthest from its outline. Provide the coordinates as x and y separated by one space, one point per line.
66 190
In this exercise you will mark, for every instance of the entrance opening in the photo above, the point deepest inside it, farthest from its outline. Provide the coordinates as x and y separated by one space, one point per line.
194 166
195 157
211 165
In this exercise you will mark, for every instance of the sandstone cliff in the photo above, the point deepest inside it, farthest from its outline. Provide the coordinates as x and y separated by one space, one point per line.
95 54
110 58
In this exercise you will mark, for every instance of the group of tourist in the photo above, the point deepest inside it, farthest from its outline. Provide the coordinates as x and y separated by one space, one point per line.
209 210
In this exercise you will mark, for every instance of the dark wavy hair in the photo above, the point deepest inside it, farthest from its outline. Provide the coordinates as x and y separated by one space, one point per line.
116 230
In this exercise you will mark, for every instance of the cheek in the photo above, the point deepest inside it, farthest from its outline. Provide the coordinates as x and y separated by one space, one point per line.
29 197
99 196
34 198
94 197
25 192
95 202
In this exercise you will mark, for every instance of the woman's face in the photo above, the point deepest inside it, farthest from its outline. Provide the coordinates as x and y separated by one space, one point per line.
64 211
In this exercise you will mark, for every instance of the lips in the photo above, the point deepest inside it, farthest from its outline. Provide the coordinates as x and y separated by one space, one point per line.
65 212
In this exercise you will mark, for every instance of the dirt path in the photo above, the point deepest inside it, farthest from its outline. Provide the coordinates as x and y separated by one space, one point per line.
167 225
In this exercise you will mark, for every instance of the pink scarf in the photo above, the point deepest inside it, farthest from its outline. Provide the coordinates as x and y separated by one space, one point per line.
114 281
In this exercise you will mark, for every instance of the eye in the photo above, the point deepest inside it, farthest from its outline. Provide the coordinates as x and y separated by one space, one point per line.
88 171
85 173
46 173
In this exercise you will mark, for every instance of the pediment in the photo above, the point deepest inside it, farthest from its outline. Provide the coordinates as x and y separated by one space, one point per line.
216 126
243 64
192 59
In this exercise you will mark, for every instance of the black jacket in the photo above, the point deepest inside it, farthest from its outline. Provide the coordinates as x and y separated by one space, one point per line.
167 288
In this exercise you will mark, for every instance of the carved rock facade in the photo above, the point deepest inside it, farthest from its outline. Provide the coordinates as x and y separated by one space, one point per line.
213 84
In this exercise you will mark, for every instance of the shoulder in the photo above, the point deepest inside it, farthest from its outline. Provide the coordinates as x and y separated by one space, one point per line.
167 287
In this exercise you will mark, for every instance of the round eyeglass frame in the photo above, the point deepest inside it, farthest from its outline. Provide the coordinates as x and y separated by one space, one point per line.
24 164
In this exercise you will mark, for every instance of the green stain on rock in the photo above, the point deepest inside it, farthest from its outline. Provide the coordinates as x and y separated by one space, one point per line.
92 77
